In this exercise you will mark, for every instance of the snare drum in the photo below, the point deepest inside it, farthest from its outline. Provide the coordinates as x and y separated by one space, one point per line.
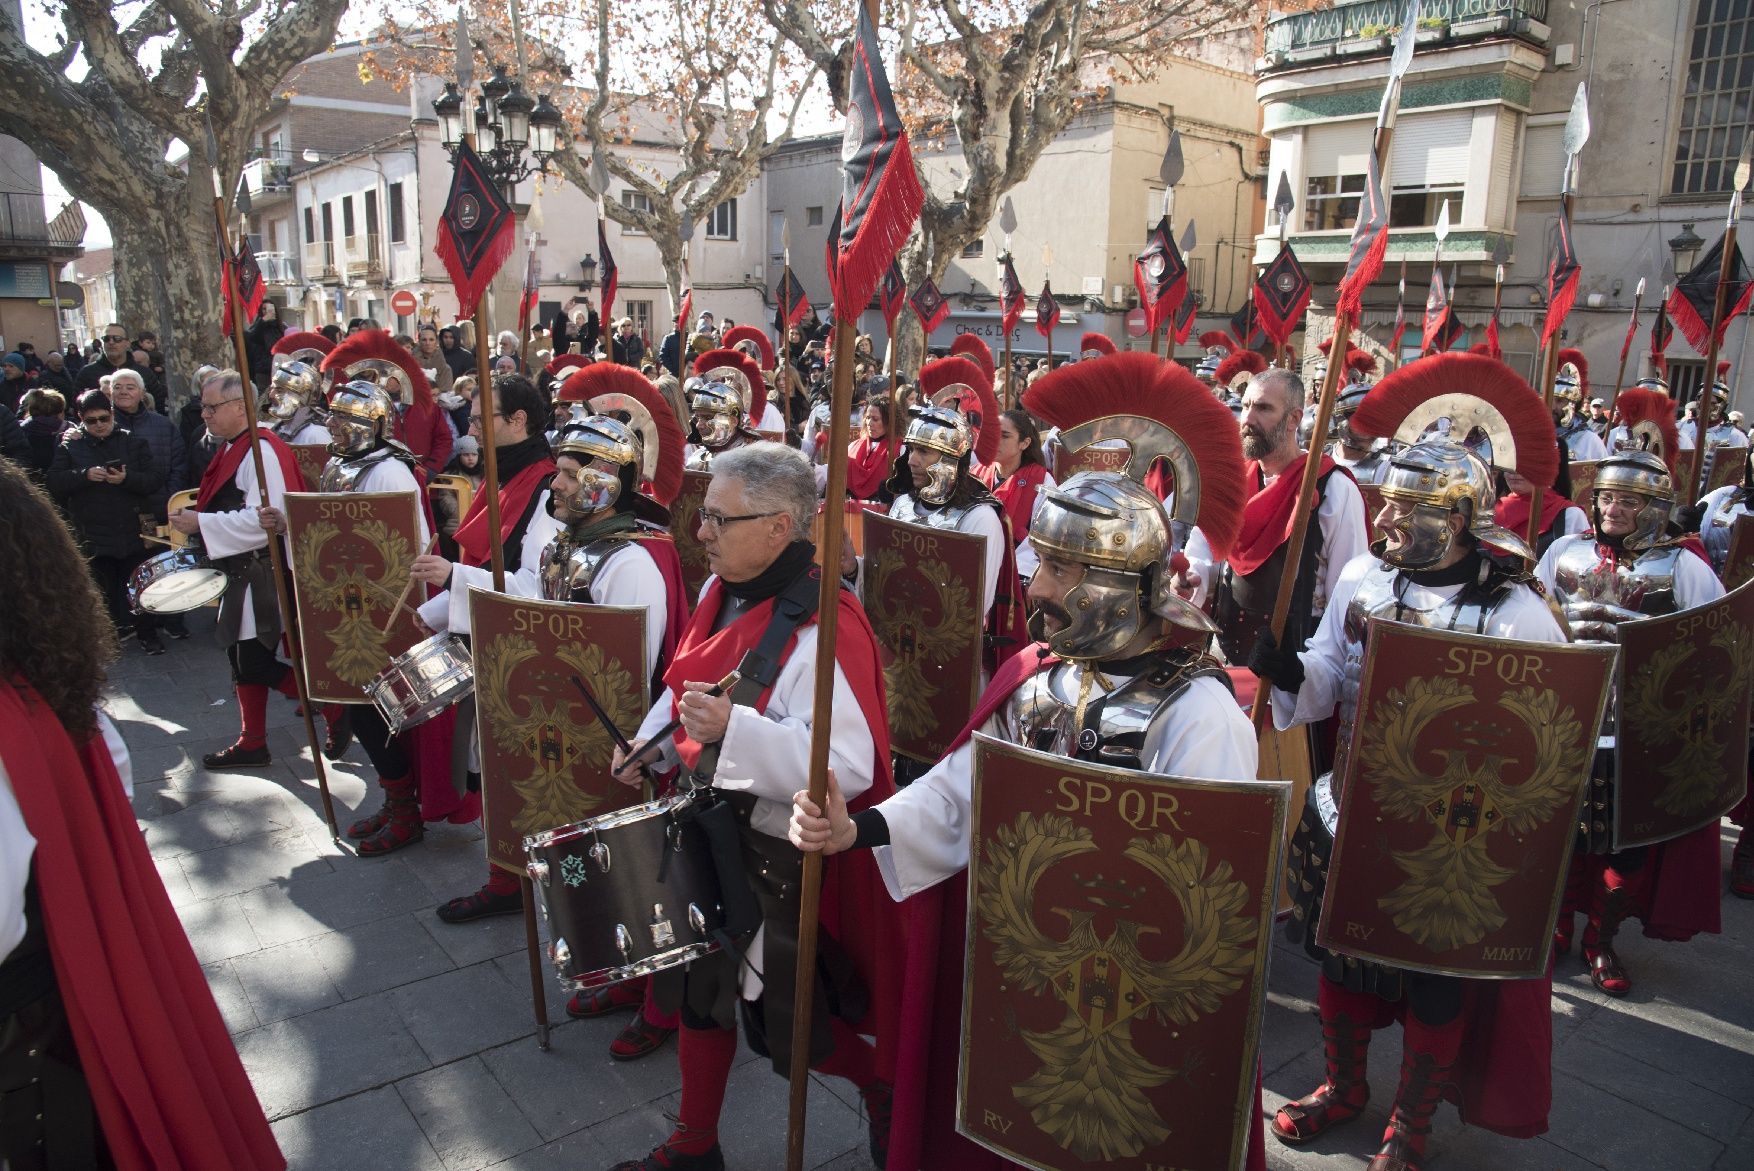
174 582
626 894
422 681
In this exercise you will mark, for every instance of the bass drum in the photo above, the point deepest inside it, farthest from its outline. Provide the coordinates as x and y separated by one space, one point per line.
422 681
627 894
175 582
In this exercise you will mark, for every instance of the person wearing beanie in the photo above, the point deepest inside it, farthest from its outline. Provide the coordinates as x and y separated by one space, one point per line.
14 383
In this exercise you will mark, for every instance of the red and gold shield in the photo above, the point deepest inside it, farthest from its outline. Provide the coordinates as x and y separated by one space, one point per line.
1739 560
311 459
685 527
1583 481
1686 472
1726 467
1681 739
1095 457
923 589
1118 927
351 552
1371 494
1458 807
544 754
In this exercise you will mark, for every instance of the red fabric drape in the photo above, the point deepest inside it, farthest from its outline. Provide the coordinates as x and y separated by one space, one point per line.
514 498
1266 518
223 467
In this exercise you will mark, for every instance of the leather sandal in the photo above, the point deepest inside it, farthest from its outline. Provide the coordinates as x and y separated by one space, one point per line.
1399 1152
365 827
1607 973
1317 1113
639 1039
482 904
596 1002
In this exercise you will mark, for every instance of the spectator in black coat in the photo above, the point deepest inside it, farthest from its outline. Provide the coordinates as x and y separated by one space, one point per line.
578 324
104 477
13 381
45 414
170 455
670 349
198 442
33 365
14 443
55 374
460 360
259 341
147 354
116 355
628 347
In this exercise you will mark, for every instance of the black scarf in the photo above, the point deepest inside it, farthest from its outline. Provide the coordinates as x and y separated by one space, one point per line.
794 560
1465 570
589 530
512 459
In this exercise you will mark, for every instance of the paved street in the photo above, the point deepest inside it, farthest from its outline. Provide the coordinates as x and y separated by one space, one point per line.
379 1038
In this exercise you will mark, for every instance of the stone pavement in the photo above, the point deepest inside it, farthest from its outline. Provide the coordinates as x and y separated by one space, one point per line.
379 1038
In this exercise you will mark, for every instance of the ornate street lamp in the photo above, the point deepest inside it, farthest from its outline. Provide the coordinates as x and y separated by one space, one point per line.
506 122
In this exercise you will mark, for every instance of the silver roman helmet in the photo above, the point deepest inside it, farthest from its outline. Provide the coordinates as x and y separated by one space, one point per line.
1570 385
718 410
1640 473
1109 522
946 432
293 386
360 415
610 454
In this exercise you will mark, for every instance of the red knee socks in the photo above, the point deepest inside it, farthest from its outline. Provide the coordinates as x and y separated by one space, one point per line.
287 686
649 1010
500 882
253 714
852 1058
706 1056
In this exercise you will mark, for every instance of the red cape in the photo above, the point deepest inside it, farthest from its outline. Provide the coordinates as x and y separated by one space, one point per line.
1266 518
1512 511
922 1129
165 1078
1007 626
856 908
223 467
514 498
867 467
1017 493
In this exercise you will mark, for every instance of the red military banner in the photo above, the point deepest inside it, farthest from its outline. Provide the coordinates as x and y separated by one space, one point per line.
1469 757
311 459
922 589
351 553
544 754
1116 964
685 527
1681 736
1739 561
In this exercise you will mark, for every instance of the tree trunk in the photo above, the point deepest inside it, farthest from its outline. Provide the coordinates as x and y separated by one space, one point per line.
167 280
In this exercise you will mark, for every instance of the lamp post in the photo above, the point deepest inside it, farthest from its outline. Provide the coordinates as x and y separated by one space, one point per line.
1684 247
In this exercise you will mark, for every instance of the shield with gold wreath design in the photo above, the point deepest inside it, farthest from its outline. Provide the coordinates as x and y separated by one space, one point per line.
1118 926
544 754
1681 736
922 590
351 553
1739 560
685 527
312 457
1469 758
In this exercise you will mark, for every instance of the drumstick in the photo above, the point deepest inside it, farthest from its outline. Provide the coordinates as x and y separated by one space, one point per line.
159 540
668 730
402 602
603 717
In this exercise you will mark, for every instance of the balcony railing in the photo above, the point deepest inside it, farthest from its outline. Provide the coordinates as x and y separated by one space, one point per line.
1312 35
320 260
25 221
362 255
278 268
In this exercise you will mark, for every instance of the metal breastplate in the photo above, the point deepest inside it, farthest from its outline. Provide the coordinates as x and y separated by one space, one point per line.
911 510
343 474
1598 593
287 429
568 571
1715 529
1043 712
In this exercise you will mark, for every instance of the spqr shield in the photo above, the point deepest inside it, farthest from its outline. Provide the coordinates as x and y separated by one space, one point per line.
1459 804
1726 467
1583 480
1111 456
685 527
922 590
544 755
1686 471
351 552
311 458
1739 560
1118 927
1681 735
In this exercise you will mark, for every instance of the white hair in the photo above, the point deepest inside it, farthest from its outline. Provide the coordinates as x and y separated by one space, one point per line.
130 375
506 335
776 478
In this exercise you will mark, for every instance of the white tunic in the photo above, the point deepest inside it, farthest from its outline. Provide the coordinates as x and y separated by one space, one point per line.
1330 655
1203 734
1345 535
310 433
1718 522
224 534
449 609
982 521
1584 444
392 475
630 577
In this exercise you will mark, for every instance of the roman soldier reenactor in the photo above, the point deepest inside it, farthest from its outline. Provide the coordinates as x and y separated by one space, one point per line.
758 347
1120 676
231 530
1367 460
1628 565
751 748
976 350
1723 433
1719 512
1430 570
1218 346
723 405
1571 389
294 403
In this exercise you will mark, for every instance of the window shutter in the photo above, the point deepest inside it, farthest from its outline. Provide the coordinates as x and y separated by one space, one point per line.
1543 160
1337 148
1431 150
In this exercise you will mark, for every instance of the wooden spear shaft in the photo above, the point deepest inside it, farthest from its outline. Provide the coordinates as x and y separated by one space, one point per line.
827 614
895 412
1701 441
276 555
1626 348
1549 370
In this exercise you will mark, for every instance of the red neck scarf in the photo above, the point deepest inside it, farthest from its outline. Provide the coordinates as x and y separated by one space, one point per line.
1512 512
1017 493
514 498
222 469
663 551
867 467
164 1075
1266 518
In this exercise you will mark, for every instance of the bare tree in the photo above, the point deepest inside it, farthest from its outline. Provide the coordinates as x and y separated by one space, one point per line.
999 80
151 82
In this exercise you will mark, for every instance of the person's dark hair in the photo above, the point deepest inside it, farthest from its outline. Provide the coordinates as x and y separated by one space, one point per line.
880 404
47 403
35 547
93 400
1026 430
332 332
513 393
146 335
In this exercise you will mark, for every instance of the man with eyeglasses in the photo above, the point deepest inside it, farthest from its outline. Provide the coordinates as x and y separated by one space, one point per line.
1626 567
751 748
116 356
228 519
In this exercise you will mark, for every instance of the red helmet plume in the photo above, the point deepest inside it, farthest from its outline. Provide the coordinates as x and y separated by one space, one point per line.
1144 386
1361 362
1100 342
560 368
301 339
1217 339
376 349
976 350
1575 359
1640 408
1471 390
739 369
613 389
738 335
960 383
1236 364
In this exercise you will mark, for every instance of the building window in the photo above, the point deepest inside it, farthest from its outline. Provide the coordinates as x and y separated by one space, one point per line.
1714 105
974 249
347 216
813 217
310 226
641 312
1330 202
1429 165
398 224
328 222
721 222
635 201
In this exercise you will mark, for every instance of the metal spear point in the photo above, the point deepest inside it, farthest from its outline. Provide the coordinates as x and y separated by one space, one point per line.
685 230
1441 231
1170 172
1577 132
465 58
1007 219
1498 275
1743 166
1638 293
1283 203
1047 259
786 241
1391 94
1501 251
599 175
1189 239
